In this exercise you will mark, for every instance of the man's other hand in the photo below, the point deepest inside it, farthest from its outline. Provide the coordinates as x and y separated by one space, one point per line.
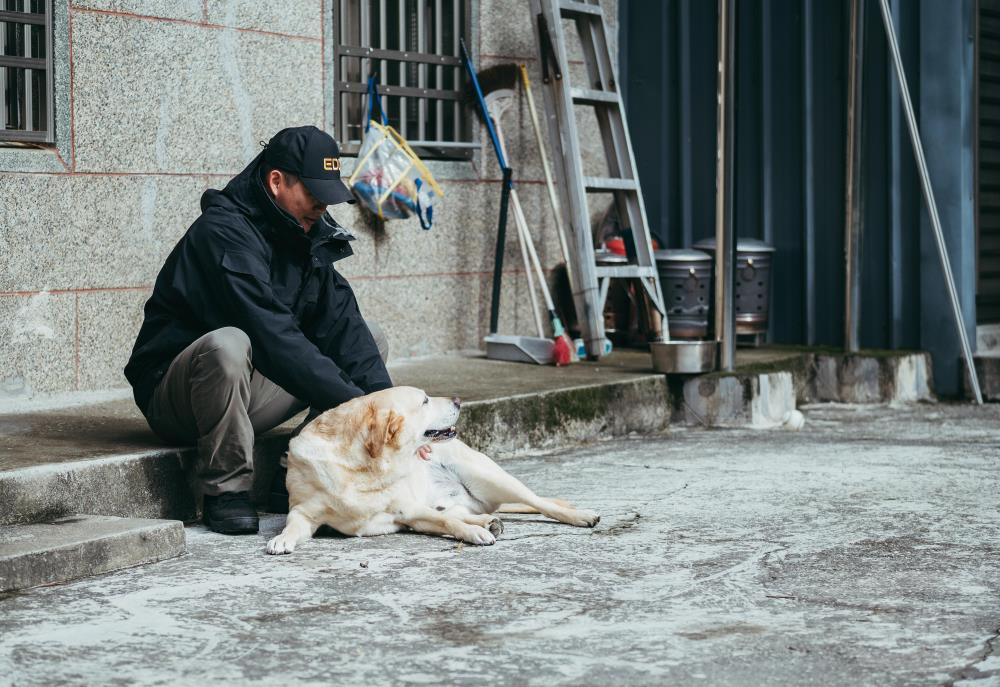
424 452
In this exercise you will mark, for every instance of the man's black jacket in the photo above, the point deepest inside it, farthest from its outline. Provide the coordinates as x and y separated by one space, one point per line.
247 263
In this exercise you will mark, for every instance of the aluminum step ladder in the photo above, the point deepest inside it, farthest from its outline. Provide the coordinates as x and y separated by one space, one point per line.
592 281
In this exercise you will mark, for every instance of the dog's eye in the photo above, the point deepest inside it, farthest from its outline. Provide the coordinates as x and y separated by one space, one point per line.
426 400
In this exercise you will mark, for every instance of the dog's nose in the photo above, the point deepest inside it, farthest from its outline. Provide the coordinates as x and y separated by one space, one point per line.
456 401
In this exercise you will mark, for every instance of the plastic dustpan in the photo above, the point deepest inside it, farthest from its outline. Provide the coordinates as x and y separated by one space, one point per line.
519 349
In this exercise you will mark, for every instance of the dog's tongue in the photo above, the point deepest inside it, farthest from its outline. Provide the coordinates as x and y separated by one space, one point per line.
441 434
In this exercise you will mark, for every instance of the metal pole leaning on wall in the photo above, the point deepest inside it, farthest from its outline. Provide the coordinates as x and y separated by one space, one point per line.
925 185
853 207
725 239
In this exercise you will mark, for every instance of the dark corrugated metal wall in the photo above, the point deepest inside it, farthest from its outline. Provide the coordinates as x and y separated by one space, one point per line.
791 91
988 285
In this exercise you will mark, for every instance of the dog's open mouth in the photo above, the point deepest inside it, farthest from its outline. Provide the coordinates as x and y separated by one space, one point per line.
441 434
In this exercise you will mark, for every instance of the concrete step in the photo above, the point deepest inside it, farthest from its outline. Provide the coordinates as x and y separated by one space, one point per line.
82 545
104 459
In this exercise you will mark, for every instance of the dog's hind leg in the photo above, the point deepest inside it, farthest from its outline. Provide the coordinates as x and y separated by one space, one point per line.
298 528
494 486
430 521
527 510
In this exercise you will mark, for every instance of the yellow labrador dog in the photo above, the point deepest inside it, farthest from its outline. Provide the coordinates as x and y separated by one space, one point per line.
356 469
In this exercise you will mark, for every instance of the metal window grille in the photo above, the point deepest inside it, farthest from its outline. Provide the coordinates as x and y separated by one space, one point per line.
413 47
26 71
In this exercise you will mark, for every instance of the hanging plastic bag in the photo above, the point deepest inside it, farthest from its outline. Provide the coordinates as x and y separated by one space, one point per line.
389 178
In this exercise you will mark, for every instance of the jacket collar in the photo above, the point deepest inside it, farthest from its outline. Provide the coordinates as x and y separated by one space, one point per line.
245 193
327 241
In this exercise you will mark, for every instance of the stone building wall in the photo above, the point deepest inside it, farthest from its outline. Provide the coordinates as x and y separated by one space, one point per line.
157 101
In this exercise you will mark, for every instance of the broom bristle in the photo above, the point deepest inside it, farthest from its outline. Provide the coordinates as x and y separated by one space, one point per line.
499 77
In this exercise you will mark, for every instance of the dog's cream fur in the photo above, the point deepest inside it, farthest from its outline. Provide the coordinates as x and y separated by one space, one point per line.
355 468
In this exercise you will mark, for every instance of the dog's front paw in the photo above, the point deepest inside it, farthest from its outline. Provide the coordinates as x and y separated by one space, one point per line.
584 518
281 544
479 536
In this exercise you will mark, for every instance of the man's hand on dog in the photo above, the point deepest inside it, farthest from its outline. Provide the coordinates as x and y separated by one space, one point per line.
424 452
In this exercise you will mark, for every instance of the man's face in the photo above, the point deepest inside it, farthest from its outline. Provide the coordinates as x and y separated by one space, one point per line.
295 199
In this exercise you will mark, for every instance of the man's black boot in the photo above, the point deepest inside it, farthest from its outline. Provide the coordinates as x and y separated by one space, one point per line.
231 513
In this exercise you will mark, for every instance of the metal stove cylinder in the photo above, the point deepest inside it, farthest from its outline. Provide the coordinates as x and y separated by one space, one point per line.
686 281
753 283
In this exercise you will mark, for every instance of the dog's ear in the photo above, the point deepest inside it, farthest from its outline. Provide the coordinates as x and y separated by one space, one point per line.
382 429
394 429
333 423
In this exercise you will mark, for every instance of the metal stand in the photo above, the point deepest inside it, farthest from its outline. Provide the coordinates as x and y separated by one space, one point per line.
853 188
725 235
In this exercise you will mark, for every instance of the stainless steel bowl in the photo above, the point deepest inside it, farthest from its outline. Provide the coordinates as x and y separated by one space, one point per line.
683 357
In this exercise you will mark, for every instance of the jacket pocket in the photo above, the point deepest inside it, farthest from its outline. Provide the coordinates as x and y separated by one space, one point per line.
246 263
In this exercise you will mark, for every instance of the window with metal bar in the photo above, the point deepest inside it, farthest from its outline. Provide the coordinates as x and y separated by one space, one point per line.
412 48
26 71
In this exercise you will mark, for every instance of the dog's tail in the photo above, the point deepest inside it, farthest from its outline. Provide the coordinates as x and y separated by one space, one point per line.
522 508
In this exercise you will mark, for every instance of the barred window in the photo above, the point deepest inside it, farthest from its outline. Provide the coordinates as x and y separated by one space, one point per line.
413 47
26 71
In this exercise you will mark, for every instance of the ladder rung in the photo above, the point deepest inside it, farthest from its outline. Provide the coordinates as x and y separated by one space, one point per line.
569 7
593 97
608 184
624 271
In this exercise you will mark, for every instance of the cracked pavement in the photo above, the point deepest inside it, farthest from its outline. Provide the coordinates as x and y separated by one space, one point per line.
862 549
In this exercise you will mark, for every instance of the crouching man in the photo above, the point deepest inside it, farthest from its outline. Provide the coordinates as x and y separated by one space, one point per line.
249 323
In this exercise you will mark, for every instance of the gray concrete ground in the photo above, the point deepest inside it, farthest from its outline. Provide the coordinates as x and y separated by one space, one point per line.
860 550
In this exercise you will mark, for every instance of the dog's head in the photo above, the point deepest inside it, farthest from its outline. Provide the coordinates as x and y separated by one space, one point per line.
397 419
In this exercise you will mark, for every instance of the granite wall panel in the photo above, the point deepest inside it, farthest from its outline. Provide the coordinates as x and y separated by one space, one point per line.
73 232
171 98
182 98
299 18
425 315
37 344
187 10
463 238
109 322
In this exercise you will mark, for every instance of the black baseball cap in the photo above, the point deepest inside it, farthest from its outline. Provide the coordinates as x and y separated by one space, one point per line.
314 157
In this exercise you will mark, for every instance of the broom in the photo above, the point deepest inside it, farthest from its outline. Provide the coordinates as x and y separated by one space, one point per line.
504 77
497 102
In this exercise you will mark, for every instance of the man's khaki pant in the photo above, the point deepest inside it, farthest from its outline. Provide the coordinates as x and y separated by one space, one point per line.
212 396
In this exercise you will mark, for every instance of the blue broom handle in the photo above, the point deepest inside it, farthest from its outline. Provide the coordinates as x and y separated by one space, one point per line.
482 106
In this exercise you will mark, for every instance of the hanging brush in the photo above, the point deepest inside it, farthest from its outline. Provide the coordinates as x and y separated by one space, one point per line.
498 84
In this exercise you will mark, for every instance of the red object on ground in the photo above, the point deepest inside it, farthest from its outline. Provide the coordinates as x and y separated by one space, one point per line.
562 353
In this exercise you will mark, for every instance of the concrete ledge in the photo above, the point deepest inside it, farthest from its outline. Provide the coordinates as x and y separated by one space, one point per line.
881 378
152 484
83 545
144 485
988 370
738 400
770 383
545 419
532 408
